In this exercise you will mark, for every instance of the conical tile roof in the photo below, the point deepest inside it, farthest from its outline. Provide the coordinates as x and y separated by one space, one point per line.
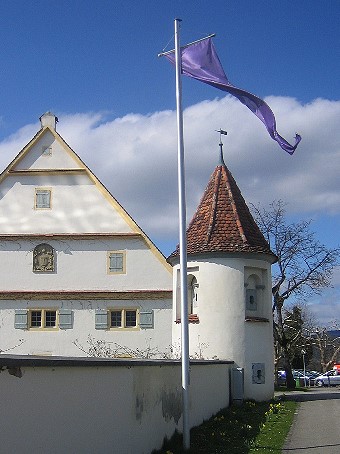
222 222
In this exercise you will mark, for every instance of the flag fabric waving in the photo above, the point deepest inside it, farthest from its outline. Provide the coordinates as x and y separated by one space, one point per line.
200 61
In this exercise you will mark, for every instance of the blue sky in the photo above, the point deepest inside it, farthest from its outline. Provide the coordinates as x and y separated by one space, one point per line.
95 65
80 56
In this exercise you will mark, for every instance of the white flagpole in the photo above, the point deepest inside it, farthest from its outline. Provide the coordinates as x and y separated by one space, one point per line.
182 245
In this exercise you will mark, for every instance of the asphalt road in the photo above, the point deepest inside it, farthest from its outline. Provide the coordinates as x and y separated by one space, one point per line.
316 426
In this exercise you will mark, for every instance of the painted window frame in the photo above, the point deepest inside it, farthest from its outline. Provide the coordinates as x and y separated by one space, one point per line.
124 325
40 190
121 270
43 326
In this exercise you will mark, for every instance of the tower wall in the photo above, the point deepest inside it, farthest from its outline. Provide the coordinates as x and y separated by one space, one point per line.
227 326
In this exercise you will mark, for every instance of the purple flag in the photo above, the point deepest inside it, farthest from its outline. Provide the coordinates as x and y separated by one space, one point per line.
200 61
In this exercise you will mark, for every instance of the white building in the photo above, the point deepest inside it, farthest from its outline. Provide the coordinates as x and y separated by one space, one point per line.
77 273
79 276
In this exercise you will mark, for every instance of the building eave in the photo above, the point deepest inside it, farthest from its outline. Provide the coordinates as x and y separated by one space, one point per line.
85 295
70 236
270 258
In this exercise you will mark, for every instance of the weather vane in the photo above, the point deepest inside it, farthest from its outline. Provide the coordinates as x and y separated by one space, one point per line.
224 133
221 131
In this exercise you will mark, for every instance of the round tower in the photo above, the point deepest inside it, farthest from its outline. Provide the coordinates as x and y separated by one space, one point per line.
229 285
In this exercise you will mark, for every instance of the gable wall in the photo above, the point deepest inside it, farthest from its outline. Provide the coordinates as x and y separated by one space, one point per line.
59 159
77 206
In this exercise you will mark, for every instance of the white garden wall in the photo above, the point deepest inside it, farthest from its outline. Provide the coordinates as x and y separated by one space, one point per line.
103 406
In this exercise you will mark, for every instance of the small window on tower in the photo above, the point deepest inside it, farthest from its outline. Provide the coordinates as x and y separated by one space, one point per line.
251 300
256 308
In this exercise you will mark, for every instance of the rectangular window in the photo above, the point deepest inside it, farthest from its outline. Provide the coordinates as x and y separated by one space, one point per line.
123 318
116 262
42 198
130 319
116 319
50 319
46 150
36 319
251 300
43 318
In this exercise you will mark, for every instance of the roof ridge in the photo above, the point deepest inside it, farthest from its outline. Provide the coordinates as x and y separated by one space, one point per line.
233 205
214 205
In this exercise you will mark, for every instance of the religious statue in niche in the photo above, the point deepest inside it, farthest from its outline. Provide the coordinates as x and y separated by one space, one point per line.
43 258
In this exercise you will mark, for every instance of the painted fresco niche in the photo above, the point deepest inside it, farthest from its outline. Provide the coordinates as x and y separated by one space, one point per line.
254 293
43 259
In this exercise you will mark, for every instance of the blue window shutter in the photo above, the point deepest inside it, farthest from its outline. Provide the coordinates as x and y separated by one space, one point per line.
21 319
101 319
65 319
146 319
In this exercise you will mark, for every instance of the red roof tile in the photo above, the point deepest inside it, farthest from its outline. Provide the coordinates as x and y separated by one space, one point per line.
223 222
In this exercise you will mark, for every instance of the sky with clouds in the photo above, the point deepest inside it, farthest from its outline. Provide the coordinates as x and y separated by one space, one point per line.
96 68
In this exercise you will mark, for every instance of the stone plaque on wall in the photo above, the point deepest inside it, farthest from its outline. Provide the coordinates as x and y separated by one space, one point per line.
43 258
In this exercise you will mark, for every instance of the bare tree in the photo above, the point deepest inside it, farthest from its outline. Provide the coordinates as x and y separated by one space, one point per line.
326 344
304 267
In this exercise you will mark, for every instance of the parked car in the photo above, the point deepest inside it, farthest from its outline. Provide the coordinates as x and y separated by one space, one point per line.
281 377
312 377
330 378
303 379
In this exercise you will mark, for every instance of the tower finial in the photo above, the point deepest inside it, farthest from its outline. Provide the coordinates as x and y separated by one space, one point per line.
221 131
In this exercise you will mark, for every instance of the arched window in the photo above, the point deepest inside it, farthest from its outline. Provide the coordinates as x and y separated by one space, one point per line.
192 293
43 258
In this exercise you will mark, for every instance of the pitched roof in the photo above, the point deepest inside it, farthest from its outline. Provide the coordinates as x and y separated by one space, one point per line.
222 222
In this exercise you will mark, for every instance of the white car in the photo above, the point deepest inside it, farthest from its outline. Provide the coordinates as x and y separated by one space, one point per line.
330 378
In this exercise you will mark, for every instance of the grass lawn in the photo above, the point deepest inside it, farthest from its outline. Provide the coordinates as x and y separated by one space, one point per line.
253 427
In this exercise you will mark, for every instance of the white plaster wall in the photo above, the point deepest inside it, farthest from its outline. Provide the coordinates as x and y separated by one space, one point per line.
77 341
77 206
259 340
220 311
222 331
82 265
123 410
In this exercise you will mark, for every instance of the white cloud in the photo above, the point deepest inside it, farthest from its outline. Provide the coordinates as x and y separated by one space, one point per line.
136 156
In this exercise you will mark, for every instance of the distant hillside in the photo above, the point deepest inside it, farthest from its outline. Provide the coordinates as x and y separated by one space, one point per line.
334 333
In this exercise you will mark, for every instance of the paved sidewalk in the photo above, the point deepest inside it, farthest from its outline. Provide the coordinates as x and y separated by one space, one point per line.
316 426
